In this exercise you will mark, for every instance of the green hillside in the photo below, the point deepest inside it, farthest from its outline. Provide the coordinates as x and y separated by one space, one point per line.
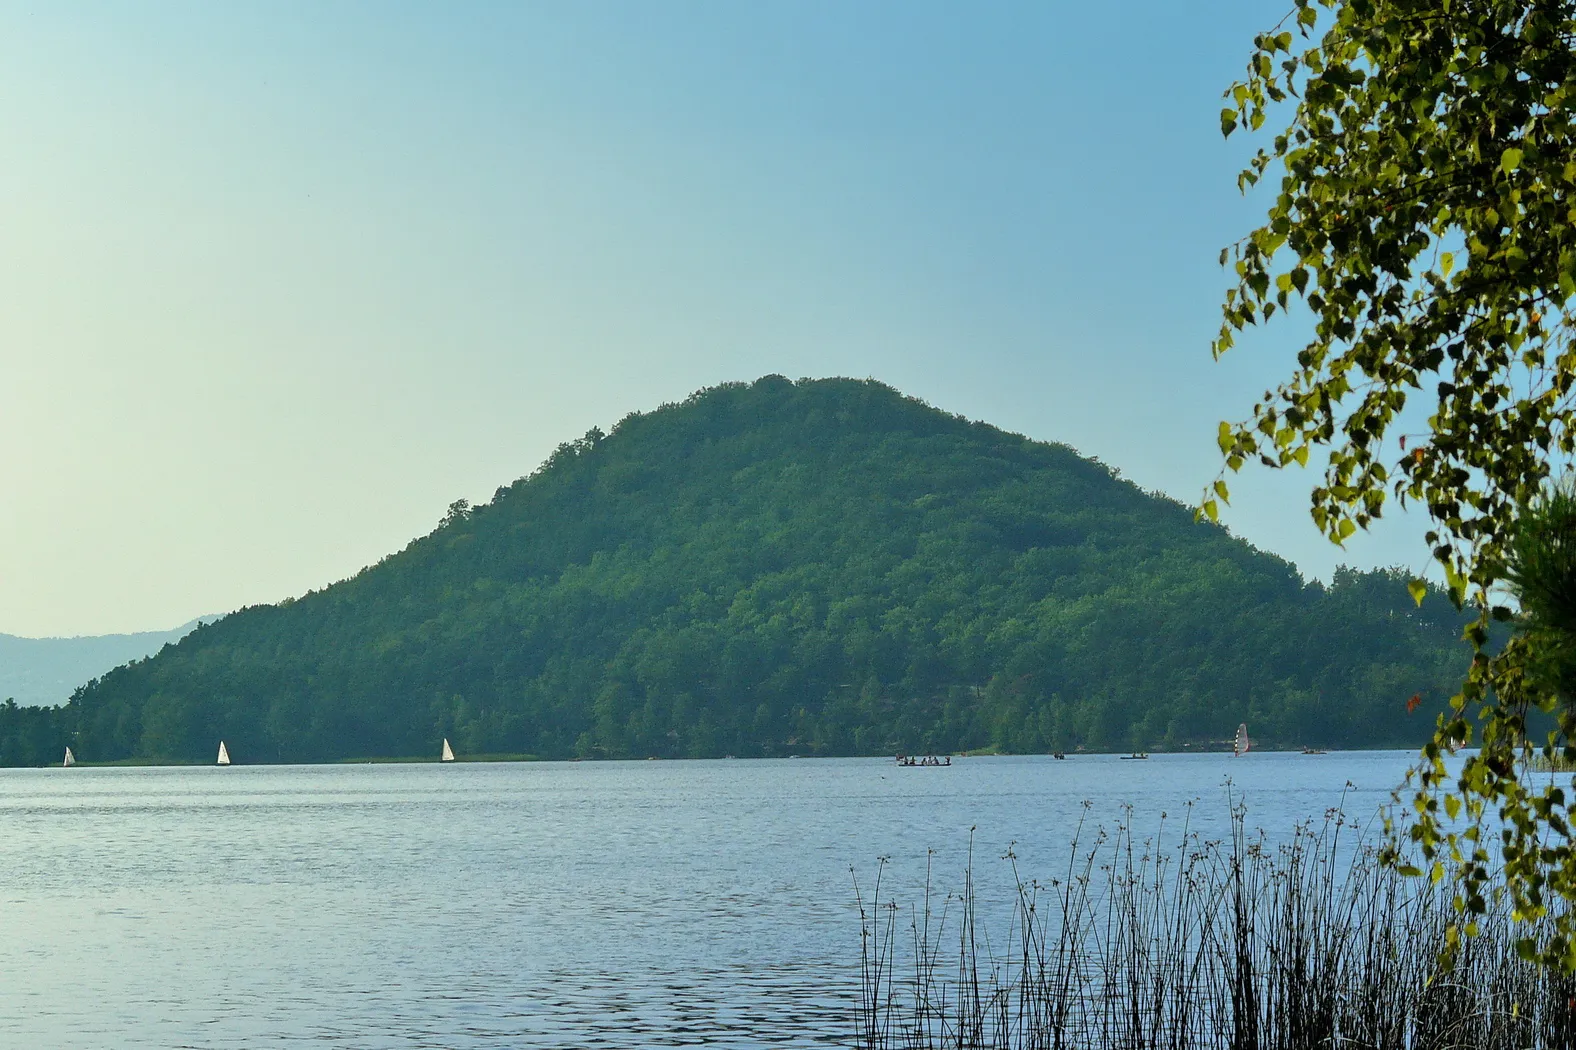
822 567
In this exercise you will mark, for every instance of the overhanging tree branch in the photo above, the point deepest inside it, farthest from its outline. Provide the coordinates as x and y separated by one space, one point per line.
1419 125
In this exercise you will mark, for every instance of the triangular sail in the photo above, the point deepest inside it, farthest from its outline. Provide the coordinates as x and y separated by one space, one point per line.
1240 745
71 759
224 754
448 752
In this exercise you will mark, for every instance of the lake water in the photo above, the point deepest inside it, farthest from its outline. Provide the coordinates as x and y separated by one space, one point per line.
519 905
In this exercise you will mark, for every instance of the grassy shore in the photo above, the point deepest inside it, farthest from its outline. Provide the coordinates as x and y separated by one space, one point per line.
408 759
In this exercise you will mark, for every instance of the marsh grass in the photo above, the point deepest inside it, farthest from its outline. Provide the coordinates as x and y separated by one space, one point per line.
1237 944
1554 762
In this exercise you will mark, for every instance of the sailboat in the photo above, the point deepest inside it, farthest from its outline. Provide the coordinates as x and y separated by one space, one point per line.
71 759
448 752
1240 745
224 754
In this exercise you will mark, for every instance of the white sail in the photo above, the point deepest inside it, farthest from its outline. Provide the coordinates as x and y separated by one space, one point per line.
71 759
448 752
1240 745
224 754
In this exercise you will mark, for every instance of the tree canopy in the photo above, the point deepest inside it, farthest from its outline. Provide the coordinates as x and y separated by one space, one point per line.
822 567
1424 218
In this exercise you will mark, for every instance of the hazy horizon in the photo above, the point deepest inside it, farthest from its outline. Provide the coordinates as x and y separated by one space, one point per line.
181 628
285 281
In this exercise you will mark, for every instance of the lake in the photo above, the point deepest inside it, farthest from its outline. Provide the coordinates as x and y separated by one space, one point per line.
617 904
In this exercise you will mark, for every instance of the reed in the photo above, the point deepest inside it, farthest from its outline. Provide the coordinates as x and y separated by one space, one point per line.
1236 944
1552 762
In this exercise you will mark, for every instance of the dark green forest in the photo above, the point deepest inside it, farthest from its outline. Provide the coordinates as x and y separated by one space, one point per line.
815 568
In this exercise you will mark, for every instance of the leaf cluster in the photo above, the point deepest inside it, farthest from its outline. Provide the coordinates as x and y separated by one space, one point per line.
1424 218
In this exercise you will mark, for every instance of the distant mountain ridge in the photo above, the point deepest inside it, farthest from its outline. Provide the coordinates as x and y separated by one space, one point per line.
37 671
814 567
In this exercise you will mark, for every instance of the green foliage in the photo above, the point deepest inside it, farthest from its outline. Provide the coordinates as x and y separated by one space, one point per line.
1424 218
1541 573
1539 686
796 568
32 736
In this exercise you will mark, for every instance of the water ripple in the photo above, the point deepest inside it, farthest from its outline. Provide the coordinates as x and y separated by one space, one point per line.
549 905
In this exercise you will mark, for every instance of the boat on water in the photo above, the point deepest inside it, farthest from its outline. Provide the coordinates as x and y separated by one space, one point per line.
71 759
1134 757
224 755
1313 751
448 752
1241 744
1057 754
925 760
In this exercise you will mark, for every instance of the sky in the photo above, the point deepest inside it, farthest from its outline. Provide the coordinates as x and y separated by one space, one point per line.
278 282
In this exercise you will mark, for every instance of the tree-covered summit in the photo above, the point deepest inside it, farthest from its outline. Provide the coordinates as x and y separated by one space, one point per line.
820 567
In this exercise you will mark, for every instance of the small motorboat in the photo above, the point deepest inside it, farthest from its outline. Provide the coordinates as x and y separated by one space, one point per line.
1136 755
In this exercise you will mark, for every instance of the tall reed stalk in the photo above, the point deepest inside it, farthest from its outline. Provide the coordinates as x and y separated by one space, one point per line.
1193 944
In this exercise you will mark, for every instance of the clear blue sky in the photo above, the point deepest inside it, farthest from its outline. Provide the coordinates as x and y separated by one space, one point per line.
281 281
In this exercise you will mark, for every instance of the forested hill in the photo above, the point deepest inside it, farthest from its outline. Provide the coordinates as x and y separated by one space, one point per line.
822 567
